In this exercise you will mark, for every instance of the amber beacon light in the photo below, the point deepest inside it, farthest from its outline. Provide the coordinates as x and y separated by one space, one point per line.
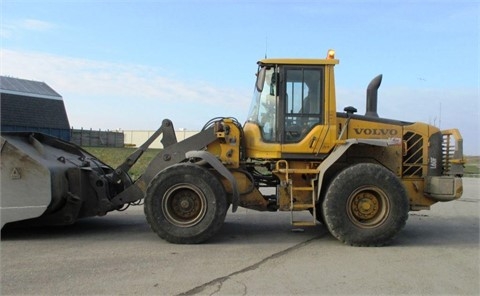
331 54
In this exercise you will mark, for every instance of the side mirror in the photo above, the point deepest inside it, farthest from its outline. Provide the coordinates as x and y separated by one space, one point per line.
260 79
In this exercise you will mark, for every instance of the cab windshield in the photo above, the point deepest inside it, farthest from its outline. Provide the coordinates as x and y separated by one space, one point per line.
263 106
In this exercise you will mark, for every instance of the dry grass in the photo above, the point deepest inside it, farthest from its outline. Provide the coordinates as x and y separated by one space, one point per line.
472 167
116 156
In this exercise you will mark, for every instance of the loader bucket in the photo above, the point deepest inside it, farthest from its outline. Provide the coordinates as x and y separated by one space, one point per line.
26 182
45 178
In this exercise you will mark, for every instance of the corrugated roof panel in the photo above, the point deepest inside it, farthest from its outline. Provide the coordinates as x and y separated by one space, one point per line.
33 112
27 87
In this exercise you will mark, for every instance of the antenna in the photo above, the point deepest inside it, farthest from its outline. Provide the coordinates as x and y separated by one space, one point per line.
266 45
440 116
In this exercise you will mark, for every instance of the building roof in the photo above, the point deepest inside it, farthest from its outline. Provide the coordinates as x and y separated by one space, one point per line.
30 88
30 104
31 112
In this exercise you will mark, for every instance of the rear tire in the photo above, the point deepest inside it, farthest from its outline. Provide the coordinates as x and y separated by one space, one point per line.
185 204
365 205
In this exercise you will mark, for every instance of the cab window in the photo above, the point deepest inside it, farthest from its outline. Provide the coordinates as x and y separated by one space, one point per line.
263 110
303 101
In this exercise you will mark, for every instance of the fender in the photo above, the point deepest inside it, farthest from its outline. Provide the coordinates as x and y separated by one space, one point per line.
217 165
342 147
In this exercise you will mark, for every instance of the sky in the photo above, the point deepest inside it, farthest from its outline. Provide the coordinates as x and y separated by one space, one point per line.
127 65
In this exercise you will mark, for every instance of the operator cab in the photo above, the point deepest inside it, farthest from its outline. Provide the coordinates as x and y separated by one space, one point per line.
292 103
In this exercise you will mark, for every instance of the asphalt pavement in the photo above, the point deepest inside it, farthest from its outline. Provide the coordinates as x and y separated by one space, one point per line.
255 253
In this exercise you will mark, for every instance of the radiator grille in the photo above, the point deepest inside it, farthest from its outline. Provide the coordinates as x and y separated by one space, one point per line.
413 158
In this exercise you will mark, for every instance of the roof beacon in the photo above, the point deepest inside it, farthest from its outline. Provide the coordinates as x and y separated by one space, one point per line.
330 54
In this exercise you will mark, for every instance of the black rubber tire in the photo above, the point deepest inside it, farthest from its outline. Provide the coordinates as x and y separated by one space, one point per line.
185 204
365 205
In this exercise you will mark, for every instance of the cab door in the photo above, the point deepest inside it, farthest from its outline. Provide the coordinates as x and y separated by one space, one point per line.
303 119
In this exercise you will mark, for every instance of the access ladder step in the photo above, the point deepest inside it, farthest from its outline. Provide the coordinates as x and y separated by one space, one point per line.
306 188
304 223
302 207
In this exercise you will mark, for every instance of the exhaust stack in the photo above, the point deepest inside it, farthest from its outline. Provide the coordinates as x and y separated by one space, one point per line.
372 96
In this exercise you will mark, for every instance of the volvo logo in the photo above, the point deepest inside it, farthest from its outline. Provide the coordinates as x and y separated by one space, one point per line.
376 131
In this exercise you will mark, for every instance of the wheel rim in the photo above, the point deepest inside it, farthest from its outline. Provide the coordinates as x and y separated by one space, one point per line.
184 205
368 207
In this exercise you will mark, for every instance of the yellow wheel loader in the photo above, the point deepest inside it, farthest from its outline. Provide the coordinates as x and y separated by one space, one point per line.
359 175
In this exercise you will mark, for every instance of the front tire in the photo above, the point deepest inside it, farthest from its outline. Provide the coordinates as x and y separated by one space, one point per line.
185 204
365 205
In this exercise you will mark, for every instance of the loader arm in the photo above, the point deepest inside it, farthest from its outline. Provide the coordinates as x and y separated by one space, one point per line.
169 138
173 152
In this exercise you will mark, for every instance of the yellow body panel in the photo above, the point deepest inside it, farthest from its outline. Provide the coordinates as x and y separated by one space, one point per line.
227 146
256 147
251 197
